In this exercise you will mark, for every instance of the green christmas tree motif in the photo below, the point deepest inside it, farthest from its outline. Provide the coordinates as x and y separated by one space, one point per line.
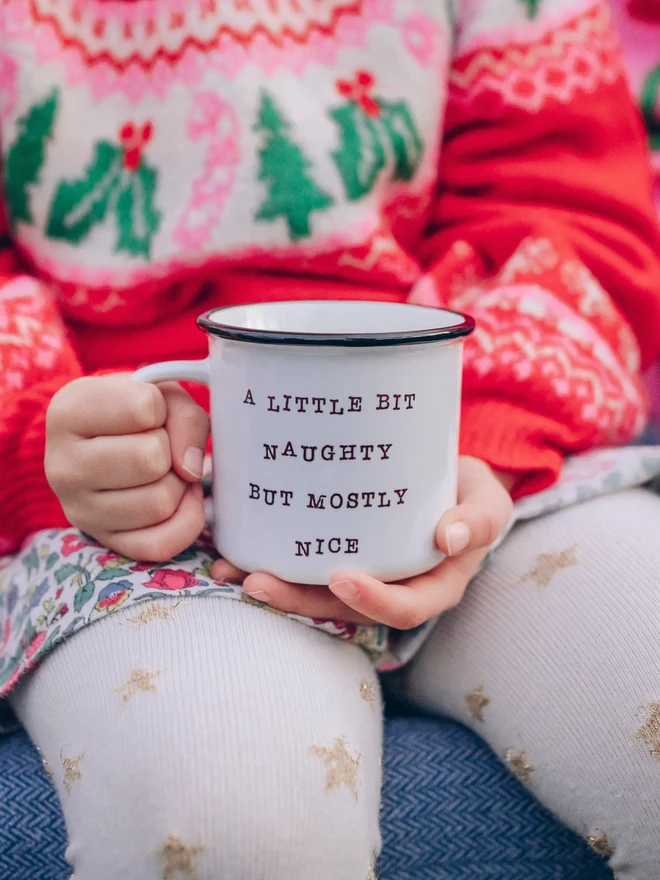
118 181
373 131
650 104
26 156
292 193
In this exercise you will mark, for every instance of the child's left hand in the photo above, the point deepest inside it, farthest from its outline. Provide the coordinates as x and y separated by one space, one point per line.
464 534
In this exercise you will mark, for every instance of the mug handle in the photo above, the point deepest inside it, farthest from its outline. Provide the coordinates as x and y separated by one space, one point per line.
183 371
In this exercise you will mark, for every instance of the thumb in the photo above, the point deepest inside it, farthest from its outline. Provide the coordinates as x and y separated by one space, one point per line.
483 510
187 426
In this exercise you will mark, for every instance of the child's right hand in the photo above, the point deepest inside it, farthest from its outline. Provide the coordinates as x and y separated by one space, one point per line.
125 460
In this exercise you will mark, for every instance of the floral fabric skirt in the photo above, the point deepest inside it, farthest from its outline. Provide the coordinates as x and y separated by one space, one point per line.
62 580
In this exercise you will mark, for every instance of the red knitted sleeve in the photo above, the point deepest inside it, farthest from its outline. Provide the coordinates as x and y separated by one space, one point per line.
36 359
543 229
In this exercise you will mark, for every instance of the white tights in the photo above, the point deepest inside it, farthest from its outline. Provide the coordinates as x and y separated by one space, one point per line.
218 740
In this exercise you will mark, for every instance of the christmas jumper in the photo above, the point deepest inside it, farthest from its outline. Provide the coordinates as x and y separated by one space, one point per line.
161 158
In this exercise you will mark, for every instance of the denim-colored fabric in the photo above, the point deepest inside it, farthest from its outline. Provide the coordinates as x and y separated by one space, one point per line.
450 811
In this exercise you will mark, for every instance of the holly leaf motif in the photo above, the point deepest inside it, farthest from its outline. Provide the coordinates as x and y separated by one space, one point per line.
31 561
532 8
404 138
361 156
22 166
80 204
52 559
52 639
138 219
650 104
109 573
66 571
83 595
11 667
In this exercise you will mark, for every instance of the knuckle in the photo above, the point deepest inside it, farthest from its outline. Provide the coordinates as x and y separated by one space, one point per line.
63 402
192 419
60 473
154 460
162 501
146 406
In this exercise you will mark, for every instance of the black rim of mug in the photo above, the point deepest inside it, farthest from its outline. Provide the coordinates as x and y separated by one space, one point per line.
463 327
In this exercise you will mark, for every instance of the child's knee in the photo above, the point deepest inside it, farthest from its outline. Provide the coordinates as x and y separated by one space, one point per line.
207 816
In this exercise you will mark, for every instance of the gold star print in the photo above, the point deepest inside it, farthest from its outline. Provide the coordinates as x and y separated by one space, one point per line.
47 770
140 680
649 732
476 702
341 766
548 564
46 765
518 763
153 612
71 767
178 859
368 692
600 844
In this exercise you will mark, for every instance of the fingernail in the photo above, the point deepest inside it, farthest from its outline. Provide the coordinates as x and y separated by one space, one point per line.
345 590
457 537
259 596
193 461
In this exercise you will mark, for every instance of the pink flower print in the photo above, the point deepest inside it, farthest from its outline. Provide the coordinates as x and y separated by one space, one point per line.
142 566
59 592
37 641
72 543
172 579
105 558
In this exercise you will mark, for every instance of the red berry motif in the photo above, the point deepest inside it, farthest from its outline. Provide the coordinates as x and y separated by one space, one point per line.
134 139
357 91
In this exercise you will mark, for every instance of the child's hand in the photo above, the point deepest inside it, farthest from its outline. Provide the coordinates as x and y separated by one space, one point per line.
464 534
125 460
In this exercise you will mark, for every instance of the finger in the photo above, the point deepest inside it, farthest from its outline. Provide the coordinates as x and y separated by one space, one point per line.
123 510
121 462
483 510
306 601
221 570
161 542
99 405
406 606
188 429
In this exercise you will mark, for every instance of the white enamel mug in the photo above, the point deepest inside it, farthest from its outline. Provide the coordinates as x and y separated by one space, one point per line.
335 434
